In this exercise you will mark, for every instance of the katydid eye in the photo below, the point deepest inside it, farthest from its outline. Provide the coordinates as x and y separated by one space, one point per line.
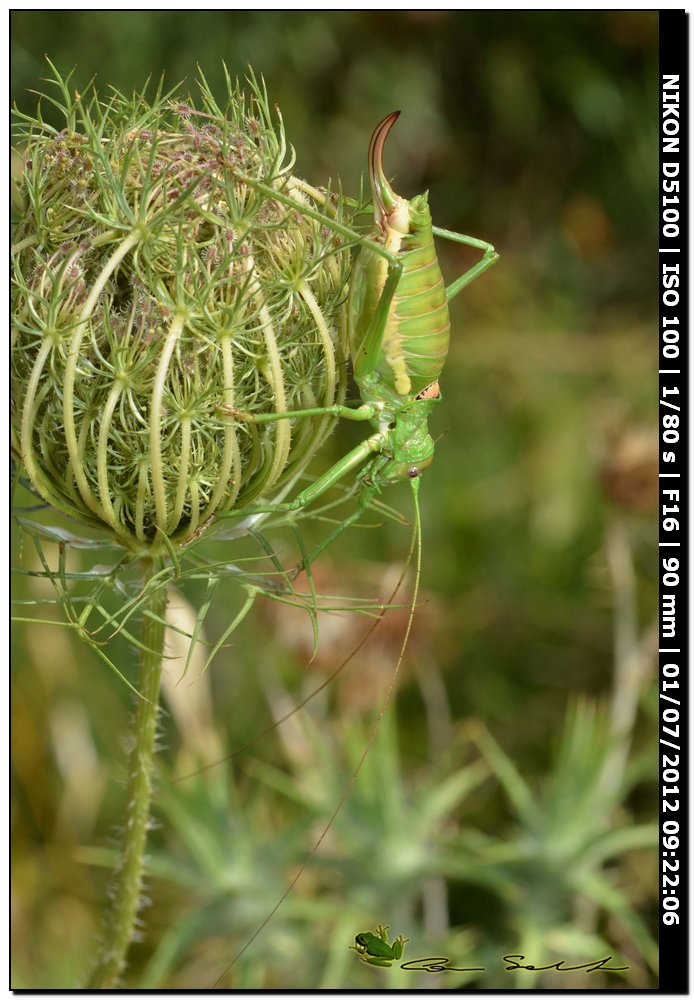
413 473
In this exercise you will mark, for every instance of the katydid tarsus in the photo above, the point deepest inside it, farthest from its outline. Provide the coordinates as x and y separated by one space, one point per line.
399 328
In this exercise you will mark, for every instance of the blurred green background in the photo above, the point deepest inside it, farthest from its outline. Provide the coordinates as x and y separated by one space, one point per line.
507 805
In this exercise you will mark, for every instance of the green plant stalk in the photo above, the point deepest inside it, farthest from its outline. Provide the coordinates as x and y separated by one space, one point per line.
120 922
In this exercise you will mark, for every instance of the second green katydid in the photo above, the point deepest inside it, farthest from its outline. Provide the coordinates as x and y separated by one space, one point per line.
399 330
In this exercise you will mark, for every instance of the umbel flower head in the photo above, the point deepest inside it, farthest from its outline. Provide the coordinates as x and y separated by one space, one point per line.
159 284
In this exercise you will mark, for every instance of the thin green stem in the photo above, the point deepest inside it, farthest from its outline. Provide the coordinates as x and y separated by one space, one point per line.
120 921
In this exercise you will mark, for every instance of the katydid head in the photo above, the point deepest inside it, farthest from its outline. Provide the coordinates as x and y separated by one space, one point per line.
411 446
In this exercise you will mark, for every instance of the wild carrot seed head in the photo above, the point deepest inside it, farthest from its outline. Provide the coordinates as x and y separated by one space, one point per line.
153 287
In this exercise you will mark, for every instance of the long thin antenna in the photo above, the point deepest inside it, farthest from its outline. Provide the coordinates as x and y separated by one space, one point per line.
416 541
297 708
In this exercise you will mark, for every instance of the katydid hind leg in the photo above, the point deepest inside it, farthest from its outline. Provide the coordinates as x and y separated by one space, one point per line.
490 257
366 357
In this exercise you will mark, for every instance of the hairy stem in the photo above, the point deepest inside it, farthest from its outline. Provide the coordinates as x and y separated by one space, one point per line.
120 921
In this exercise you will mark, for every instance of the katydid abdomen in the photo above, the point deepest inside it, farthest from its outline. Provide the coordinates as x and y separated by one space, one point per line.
417 331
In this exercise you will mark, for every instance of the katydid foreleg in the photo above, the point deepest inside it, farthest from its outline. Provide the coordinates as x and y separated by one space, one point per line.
353 460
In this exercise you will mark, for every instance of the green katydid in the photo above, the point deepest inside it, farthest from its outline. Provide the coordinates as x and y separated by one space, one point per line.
399 328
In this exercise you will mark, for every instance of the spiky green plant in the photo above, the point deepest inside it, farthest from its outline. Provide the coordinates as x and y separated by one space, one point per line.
157 285
556 866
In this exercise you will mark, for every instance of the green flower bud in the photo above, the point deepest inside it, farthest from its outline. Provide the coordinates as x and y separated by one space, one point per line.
160 287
